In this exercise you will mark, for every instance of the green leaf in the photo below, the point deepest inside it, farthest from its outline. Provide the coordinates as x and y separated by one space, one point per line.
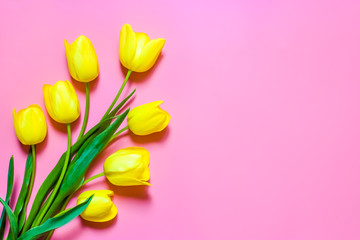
21 203
58 221
81 162
9 189
12 219
121 104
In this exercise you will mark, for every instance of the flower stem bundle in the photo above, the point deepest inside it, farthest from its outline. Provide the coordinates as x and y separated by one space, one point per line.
126 167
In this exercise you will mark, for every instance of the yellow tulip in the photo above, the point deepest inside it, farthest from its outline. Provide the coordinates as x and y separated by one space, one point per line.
101 208
128 167
30 125
82 60
136 51
148 118
61 102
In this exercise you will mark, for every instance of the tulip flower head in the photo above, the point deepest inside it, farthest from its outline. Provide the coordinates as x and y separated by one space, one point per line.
61 102
30 125
82 60
148 118
128 167
100 208
136 51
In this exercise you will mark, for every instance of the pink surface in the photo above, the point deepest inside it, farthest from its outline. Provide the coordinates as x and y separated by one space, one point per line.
265 104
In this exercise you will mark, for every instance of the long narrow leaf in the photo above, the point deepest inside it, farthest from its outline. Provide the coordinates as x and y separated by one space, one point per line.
12 220
121 104
81 162
55 222
21 201
10 183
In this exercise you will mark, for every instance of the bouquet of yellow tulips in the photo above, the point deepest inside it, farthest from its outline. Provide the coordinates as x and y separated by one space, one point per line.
125 167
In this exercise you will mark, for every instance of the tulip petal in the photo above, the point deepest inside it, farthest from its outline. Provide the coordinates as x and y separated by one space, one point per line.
126 181
141 40
149 55
127 46
48 105
87 194
70 61
17 127
145 175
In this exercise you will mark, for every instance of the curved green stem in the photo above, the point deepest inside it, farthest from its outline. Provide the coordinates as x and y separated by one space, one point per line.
32 174
92 178
118 133
58 184
32 178
86 116
34 163
118 94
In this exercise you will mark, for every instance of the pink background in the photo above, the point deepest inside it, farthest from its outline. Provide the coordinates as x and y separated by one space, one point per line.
264 141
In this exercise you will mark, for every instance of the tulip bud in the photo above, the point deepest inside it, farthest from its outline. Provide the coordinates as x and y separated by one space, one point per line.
136 51
128 167
148 118
30 125
82 60
61 102
100 208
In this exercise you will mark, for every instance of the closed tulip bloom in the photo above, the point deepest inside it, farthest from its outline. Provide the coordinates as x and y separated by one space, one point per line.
61 102
82 60
30 125
148 118
101 208
136 51
128 167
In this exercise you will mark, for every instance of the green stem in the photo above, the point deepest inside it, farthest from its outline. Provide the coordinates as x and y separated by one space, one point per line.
86 116
32 178
118 133
92 178
34 163
32 174
58 184
118 94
